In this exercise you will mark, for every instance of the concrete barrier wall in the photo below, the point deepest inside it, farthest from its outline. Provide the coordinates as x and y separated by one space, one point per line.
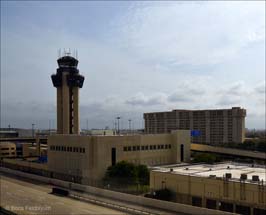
39 166
139 200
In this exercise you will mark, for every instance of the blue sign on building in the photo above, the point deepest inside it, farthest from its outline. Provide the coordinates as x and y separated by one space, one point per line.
43 159
195 133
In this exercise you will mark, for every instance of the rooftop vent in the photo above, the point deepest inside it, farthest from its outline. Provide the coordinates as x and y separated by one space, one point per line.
228 167
210 169
212 176
187 168
228 175
171 170
243 177
255 178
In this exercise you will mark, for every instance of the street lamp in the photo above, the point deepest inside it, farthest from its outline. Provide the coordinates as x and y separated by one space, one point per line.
32 129
129 125
118 124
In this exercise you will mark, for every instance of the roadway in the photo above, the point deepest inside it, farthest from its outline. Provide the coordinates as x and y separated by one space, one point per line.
228 151
24 197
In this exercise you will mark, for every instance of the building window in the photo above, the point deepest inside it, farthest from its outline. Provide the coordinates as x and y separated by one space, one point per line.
70 148
129 148
159 146
83 150
134 148
125 149
162 146
151 147
169 146
138 148
166 146
146 147
80 150
142 147
154 147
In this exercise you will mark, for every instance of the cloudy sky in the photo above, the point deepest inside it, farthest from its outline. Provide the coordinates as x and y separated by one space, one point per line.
136 57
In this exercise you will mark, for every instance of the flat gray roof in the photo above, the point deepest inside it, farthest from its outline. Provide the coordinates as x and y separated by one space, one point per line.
218 170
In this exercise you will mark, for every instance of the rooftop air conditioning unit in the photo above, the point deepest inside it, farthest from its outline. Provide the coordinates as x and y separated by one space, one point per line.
244 177
228 175
255 178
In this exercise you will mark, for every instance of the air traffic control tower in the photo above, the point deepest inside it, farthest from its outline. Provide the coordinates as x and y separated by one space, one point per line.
67 80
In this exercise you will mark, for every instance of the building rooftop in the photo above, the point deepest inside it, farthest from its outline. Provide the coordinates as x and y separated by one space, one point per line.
218 171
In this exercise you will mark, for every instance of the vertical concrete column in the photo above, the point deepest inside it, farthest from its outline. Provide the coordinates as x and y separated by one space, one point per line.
76 110
59 111
165 122
207 119
38 146
225 126
65 103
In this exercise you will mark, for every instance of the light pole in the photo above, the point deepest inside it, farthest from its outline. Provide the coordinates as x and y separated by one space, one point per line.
118 124
49 126
129 125
32 129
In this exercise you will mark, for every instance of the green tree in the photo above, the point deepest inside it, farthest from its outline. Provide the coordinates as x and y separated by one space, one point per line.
163 194
205 158
143 174
122 172
127 173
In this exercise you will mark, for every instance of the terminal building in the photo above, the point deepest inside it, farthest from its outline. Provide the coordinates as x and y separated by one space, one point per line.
86 158
215 126
7 149
228 187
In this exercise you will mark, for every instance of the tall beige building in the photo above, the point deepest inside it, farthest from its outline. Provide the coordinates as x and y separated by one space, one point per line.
215 126
67 80
86 158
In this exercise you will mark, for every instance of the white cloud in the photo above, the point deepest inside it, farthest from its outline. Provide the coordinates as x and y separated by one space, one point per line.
164 51
192 33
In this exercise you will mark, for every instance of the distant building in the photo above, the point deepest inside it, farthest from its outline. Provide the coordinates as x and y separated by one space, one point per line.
101 132
8 133
215 126
230 187
7 149
34 150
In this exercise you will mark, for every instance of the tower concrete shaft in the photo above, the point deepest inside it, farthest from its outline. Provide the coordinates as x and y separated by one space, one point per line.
67 80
